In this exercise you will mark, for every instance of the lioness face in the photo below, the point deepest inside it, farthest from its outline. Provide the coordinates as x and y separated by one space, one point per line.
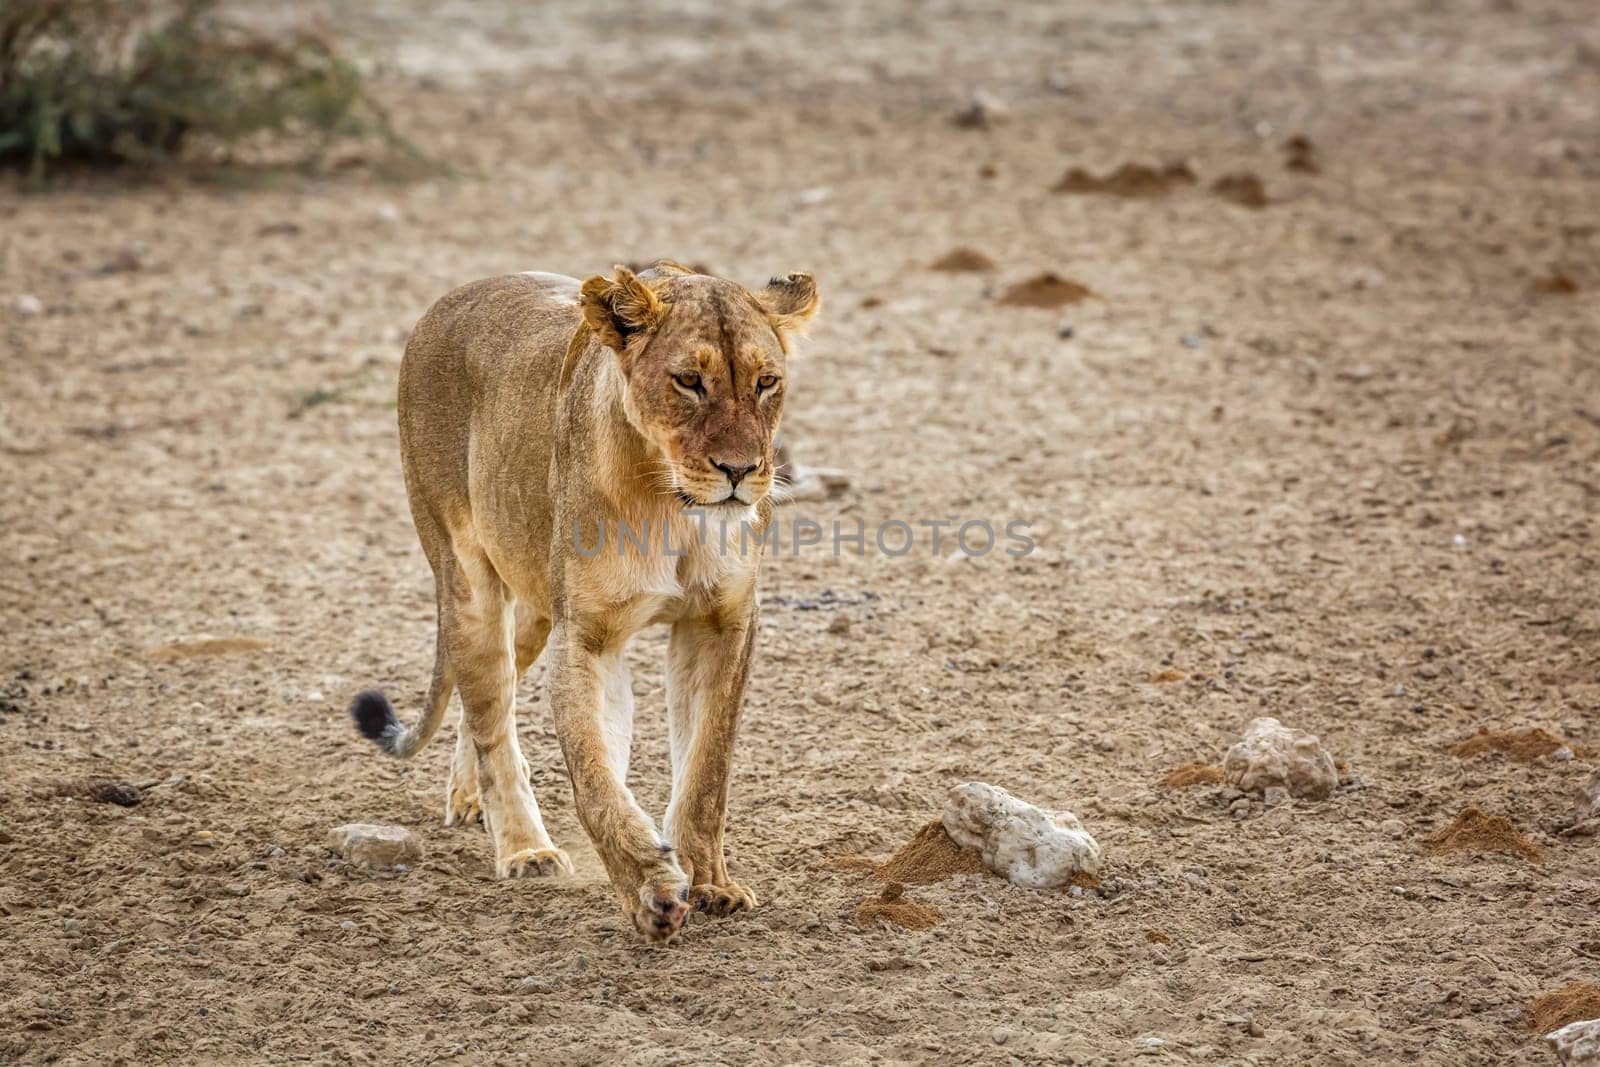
706 362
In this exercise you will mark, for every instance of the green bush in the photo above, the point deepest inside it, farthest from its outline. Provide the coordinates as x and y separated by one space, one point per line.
123 81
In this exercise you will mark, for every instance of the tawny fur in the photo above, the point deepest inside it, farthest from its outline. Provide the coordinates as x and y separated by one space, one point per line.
531 403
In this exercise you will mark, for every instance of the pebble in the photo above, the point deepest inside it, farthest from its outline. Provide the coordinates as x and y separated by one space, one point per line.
981 111
1393 827
29 305
348 924
204 838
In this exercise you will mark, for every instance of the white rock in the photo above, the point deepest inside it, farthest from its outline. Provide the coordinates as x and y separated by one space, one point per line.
1272 755
1023 844
1577 1044
29 305
374 845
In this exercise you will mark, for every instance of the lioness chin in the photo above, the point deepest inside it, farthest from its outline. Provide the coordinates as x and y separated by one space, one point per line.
558 442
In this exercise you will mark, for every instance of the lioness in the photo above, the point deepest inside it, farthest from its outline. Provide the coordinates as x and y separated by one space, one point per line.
538 417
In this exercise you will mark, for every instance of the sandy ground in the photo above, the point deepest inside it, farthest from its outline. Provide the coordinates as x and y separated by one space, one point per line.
1335 459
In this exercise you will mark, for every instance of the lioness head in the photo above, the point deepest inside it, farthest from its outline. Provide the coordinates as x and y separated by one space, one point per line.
705 362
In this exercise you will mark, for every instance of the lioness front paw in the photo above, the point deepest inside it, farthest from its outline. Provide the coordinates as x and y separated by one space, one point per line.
722 900
659 910
534 863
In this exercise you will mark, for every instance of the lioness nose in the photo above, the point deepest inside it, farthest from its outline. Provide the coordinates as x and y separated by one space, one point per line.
735 472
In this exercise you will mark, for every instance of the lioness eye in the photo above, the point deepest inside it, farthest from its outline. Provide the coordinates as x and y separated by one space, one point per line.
690 382
766 381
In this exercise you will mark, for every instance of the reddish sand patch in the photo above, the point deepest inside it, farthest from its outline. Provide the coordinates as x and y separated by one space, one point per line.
1169 674
891 906
1475 830
1526 745
1158 937
962 260
1130 179
931 856
1569 1004
1557 284
217 646
1047 290
1243 188
1192 774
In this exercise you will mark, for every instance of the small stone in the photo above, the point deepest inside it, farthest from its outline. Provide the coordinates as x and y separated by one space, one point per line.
276 853
1023 844
28 306
374 845
204 839
1274 795
1393 827
1271 754
388 213
1255 1029
981 111
348 924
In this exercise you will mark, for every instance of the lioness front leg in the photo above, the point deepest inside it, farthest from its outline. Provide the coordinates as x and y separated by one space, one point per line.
640 863
708 663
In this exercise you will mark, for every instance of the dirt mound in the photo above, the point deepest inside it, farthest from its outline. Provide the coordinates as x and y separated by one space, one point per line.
1047 290
1475 830
1192 774
931 856
1130 179
1242 188
962 259
1525 745
1569 1004
217 646
892 907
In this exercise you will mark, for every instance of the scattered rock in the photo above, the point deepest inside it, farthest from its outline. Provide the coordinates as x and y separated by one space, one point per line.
1242 188
1047 290
1271 754
1474 830
800 483
28 306
931 856
1562 1007
1577 1044
279 229
1524 745
1393 827
1589 796
1192 774
981 111
961 260
1130 179
892 907
1023 844
374 845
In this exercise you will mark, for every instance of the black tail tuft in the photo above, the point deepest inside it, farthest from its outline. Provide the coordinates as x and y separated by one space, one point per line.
375 718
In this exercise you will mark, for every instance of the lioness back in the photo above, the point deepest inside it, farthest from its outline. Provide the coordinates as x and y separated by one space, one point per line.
476 401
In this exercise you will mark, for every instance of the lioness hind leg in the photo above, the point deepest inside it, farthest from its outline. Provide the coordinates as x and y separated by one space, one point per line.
476 628
463 804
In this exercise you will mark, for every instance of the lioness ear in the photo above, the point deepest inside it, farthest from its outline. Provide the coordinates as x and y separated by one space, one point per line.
620 307
790 301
